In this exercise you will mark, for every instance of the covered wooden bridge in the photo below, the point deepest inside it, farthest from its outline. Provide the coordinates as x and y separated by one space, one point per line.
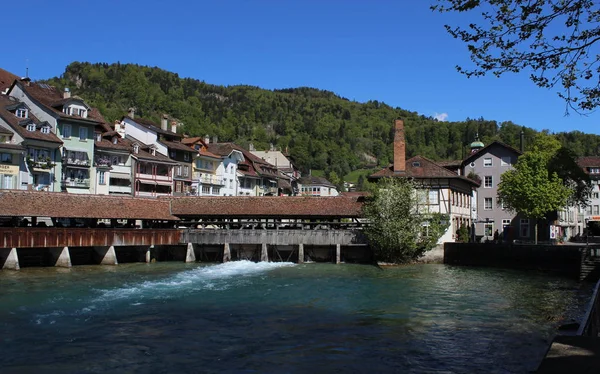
55 228
47 228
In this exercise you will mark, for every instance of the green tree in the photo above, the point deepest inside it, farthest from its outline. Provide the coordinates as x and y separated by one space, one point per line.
530 189
398 231
552 39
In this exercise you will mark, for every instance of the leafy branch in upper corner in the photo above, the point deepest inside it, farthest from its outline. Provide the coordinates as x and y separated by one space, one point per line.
554 39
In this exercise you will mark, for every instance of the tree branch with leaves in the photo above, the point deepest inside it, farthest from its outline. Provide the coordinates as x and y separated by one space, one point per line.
555 40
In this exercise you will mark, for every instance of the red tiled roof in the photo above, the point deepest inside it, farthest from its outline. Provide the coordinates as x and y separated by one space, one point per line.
152 126
281 206
589 162
14 122
6 79
63 205
482 150
315 181
49 96
420 167
177 145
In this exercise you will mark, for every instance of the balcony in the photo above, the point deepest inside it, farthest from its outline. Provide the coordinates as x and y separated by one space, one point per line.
77 183
77 161
119 189
211 179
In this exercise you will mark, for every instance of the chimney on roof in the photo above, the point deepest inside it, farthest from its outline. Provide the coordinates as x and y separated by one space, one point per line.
251 147
66 93
399 147
164 122
174 126
215 139
131 113
206 139
26 80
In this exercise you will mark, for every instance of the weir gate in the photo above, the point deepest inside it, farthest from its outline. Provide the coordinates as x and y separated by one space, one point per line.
56 229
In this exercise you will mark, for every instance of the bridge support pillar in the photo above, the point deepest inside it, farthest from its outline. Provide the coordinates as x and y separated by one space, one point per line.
149 254
9 259
190 256
264 254
300 253
108 256
226 253
338 253
61 257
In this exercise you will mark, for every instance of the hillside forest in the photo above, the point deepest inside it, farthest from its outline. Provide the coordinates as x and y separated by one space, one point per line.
319 129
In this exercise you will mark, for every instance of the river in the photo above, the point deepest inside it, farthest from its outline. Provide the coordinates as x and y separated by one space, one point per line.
244 317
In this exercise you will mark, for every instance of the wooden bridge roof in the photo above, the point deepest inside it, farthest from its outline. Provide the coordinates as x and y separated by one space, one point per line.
267 207
63 205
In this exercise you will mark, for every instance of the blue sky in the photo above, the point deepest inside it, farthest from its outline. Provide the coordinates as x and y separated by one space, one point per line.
392 51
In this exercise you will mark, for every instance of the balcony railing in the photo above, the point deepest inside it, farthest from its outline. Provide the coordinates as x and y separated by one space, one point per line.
77 161
79 183
119 189
211 179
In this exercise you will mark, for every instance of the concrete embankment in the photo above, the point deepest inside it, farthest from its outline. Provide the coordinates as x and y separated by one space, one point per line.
575 261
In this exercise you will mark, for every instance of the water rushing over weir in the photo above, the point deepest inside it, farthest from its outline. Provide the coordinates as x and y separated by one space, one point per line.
280 317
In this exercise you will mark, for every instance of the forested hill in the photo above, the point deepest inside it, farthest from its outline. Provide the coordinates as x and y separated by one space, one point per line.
320 129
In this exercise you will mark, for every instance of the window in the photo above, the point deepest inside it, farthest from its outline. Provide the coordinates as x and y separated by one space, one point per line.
205 190
7 183
178 187
487 203
505 161
46 130
596 211
487 181
83 132
101 179
66 131
67 110
487 162
524 228
6 157
178 170
21 113
505 222
186 171
136 148
186 156
433 197
595 195
172 154
488 229
98 136
216 190
594 170
31 127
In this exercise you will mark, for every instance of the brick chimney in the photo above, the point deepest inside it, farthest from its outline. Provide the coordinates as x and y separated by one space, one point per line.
66 93
164 122
174 126
131 113
399 147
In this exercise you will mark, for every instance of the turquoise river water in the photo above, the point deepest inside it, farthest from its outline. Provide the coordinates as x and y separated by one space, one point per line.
244 317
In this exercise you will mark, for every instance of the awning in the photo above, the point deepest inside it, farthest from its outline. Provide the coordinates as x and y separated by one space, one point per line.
152 183
164 183
72 149
119 175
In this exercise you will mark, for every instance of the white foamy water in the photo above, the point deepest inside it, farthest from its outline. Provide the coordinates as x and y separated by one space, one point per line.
217 277
210 278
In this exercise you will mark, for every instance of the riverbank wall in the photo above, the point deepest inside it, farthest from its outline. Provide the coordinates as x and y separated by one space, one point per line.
580 262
